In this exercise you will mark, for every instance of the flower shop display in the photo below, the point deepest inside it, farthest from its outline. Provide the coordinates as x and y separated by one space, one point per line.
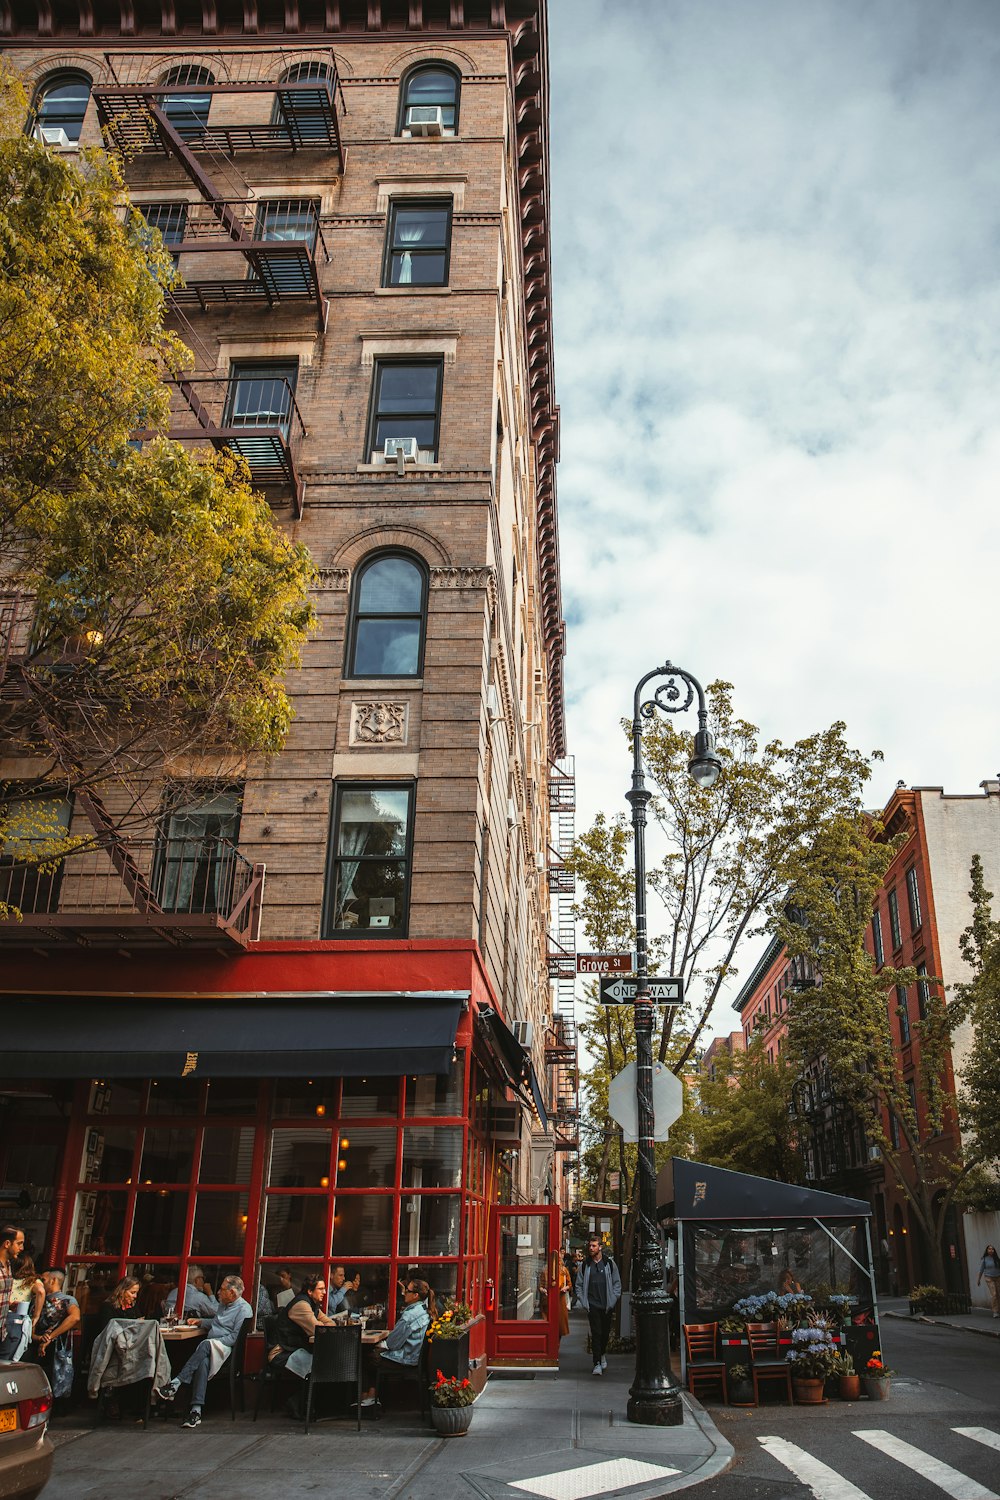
772 1307
811 1359
448 1335
451 1405
876 1378
848 1379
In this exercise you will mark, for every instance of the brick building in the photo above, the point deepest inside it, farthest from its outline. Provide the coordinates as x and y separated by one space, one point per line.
360 1057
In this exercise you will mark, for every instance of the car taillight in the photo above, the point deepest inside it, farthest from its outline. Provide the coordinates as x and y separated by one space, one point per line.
35 1411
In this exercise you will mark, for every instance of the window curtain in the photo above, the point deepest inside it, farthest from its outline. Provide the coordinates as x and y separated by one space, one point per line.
407 234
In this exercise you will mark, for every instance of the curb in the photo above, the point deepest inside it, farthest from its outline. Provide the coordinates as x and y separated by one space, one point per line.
719 1460
984 1333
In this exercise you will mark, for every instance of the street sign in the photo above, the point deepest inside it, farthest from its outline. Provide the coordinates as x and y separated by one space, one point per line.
662 991
604 963
668 1101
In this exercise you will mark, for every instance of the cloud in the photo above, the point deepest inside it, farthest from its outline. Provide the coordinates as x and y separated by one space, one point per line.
777 339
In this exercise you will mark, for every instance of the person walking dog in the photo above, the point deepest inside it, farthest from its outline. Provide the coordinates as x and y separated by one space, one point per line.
989 1267
598 1288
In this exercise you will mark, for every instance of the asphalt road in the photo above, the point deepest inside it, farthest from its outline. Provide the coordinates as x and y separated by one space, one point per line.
891 1450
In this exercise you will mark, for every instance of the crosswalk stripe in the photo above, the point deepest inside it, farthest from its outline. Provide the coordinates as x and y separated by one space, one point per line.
980 1435
591 1480
952 1481
825 1483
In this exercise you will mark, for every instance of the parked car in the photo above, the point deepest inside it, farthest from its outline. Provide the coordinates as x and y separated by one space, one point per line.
25 1449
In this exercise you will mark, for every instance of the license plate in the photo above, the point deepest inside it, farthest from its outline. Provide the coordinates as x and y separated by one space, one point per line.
8 1419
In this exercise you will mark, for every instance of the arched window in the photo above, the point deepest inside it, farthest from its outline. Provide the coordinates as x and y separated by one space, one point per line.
188 112
311 110
60 107
387 618
429 101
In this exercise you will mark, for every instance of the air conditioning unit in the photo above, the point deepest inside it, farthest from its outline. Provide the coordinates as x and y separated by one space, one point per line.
53 135
404 448
425 119
524 1032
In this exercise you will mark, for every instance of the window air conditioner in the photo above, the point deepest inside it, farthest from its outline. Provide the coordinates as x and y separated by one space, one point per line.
425 119
524 1032
404 447
53 135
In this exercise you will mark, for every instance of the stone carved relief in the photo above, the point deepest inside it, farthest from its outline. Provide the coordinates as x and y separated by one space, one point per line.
333 578
460 578
377 722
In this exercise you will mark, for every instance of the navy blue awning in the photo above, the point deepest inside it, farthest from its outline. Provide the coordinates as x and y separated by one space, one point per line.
347 1035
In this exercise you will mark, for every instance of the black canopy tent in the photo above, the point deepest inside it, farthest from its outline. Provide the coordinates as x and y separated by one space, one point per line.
736 1235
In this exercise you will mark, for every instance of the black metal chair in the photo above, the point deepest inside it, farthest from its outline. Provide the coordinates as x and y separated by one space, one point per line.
389 1371
234 1364
336 1360
271 1375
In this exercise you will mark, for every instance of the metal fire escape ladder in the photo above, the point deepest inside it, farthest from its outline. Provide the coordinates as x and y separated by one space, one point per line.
561 1044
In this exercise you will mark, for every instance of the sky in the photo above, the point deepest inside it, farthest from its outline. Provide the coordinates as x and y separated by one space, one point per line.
776 246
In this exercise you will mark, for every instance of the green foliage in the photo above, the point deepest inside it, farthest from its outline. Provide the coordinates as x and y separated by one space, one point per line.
974 1020
744 1122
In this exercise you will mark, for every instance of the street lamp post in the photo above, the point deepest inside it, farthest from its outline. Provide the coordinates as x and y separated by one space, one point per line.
655 1397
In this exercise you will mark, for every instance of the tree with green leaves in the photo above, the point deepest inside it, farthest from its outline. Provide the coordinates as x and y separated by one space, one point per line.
974 1022
743 1120
149 607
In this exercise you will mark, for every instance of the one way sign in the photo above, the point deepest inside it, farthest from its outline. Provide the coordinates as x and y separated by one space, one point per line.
618 991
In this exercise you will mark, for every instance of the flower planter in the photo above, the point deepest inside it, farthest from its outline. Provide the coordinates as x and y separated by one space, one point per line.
808 1392
451 1421
741 1393
849 1387
876 1387
450 1356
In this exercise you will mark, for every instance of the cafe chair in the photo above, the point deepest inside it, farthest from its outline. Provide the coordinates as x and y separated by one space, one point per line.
389 1372
336 1361
269 1375
701 1345
765 1361
234 1364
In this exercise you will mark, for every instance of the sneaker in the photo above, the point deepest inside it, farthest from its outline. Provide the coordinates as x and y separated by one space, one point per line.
604 1362
168 1392
193 1418
598 1370
367 1400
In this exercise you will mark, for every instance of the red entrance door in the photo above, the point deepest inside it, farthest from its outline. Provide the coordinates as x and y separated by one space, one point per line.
523 1321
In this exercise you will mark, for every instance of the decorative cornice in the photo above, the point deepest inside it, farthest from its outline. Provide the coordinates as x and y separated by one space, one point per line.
333 578
461 578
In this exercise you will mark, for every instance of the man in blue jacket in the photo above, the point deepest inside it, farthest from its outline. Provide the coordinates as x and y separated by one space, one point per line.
598 1288
223 1330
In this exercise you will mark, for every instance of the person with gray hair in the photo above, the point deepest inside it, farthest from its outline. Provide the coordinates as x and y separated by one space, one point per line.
223 1330
198 1299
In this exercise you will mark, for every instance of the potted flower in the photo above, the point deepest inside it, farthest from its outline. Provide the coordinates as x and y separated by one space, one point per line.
848 1379
451 1405
740 1386
449 1334
811 1358
876 1378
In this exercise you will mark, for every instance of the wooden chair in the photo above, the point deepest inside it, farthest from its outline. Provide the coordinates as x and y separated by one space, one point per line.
390 1371
701 1344
336 1361
765 1361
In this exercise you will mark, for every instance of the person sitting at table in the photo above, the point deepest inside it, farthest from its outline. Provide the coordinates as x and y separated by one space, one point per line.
787 1283
198 1299
295 1329
222 1331
402 1344
286 1291
60 1314
120 1306
339 1288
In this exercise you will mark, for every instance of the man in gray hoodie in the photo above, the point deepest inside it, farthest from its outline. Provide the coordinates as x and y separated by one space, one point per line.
598 1288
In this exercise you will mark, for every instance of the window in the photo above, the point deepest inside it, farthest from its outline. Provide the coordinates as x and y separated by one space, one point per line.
60 108
418 244
28 827
311 110
368 886
406 404
923 991
877 939
387 625
904 1015
194 864
261 396
188 112
169 218
288 219
894 927
426 89
913 898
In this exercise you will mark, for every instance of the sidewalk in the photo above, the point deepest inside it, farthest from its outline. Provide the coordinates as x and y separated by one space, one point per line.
559 1437
976 1321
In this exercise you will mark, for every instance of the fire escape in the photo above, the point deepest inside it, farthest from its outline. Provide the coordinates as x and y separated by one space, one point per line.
561 1040
251 252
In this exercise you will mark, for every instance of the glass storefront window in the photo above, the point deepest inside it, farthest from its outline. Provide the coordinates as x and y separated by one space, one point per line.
305 1098
271 1281
369 1096
118 1097
167 1154
295 1224
524 1247
158 1223
100 1223
442 1280
232 1096
362 1225
227 1153
220 1225
428 1225
432 1156
300 1158
108 1153
366 1157
436 1093
174 1096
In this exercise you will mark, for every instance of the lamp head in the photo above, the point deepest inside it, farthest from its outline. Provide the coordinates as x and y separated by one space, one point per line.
704 767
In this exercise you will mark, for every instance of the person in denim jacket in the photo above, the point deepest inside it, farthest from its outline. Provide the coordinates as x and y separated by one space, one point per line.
403 1343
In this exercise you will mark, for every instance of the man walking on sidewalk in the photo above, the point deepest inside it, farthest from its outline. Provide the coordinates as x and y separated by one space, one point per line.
598 1288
